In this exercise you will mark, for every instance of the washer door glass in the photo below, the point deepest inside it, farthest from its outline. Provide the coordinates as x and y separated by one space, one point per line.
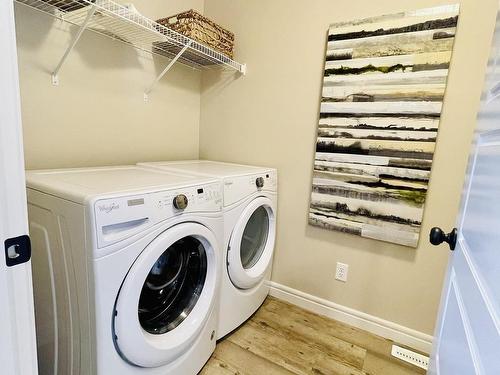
254 239
168 296
173 286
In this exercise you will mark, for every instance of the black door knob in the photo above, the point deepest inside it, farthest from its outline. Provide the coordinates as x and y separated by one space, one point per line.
437 237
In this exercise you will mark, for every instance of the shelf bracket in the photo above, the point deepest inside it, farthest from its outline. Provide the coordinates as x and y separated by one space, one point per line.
167 68
83 26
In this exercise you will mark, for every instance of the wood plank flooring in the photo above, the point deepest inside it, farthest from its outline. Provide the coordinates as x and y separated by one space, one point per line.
283 339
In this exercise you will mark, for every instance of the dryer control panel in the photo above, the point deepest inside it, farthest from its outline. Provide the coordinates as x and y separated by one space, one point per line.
121 217
238 188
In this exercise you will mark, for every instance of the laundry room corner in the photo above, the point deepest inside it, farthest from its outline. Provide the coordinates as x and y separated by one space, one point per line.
270 118
257 187
97 114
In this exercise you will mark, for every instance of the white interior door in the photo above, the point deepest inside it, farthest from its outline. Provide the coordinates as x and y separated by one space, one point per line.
17 322
467 339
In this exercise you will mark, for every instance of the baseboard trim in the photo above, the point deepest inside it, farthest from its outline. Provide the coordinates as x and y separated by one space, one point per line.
392 331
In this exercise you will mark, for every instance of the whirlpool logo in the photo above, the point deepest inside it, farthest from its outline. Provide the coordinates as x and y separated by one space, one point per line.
107 208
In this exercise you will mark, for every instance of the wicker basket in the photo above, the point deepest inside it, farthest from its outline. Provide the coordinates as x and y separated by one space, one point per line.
196 26
67 5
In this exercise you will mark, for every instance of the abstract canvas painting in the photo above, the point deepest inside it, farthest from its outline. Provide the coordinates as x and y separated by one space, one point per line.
383 90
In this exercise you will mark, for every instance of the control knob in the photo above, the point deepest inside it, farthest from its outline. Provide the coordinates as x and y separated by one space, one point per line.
180 202
259 182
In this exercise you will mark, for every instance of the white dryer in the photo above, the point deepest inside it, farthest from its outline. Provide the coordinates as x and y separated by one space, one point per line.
250 203
126 267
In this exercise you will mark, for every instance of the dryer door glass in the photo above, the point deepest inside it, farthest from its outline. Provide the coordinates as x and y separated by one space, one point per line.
173 286
254 239
251 246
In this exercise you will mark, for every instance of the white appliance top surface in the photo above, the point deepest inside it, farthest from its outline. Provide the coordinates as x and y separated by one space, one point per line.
80 184
209 168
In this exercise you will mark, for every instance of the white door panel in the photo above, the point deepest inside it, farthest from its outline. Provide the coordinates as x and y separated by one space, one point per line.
480 312
467 339
481 224
454 351
17 324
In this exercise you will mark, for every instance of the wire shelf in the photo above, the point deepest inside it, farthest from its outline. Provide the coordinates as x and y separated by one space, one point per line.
118 22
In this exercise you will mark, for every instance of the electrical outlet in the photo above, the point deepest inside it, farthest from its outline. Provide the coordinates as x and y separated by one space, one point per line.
341 272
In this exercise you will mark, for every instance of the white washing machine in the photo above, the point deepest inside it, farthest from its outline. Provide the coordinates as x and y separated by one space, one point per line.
250 202
126 267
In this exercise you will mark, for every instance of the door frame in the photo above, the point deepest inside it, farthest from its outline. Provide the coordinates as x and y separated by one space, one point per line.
17 320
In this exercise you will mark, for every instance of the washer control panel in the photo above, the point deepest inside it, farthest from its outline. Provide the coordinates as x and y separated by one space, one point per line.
121 217
204 198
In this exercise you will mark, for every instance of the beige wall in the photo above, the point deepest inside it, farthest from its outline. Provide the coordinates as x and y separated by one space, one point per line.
269 117
97 115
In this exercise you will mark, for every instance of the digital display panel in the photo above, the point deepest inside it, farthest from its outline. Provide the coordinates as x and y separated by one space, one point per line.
135 202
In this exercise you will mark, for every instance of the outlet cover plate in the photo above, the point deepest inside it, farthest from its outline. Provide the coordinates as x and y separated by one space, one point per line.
341 272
